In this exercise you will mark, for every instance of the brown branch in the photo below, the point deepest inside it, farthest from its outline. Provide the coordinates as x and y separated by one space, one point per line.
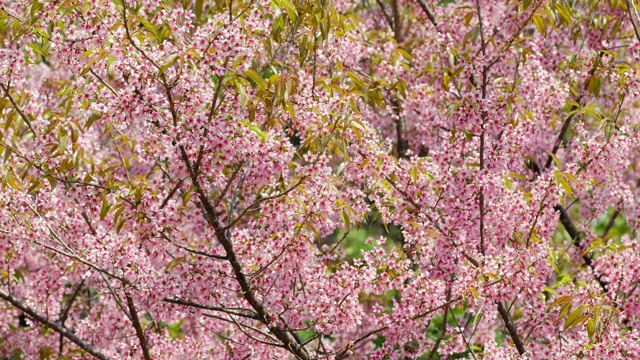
563 131
65 312
130 38
414 204
397 21
241 327
513 333
633 17
288 340
257 202
115 297
434 350
428 12
198 252
113 91
89 264
214 105
385 13
483 115
430 311
471 260
210 215
246 313
576 236
567 122
610 224
47 174
17 108
401 129
52 325
227 186
88 221
514 36
170 195
481 27
139 331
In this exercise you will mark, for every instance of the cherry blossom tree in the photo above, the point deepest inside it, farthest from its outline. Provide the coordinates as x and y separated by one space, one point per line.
186 179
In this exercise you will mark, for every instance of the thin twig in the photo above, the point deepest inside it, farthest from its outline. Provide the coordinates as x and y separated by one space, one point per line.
246 313
17 108
633 16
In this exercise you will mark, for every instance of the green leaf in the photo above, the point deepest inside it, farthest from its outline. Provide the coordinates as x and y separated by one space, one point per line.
404 54
175 262
118 213
474 292
595 85
92 119
7 154
110 60
119 227
609 128
468 18
87 53
149 26
356 80
564 12
564 310
198 9
555 159
414 174
64 141
345 219
560 178
289 8
256 130
507 182
46 352
34 186
573 317
256 78
105 209
172 60
13 181
538 20
175 330
560 301
591 329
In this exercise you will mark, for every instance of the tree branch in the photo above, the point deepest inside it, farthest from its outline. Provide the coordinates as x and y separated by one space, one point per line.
401 129
246 313
576 236
52 325
434 350
397 21
428 12
633 17
385 13
139 331
65 312
513 333
17 108
211 217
